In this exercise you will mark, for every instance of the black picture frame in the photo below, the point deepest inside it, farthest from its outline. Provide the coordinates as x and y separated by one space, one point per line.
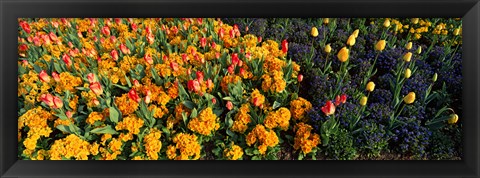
10 10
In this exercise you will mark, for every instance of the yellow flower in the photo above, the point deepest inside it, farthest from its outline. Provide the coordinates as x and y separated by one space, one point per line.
152 144
453 119
363 100
328 48
304 138
407 57
370 86
351 40
408 73
380 46
386 23
414 20
279 118
233 153
343 54
299 107
408 46
314 32
410 98
355 33
205 123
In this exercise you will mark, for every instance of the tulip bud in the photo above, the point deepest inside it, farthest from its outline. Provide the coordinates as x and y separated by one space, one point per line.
434 77
57 102
453 119
386 23
370 86
69 114
174 66
44 76
96 88
410 98
408 73
351 40
355 33
343 54
229 105
363 101
419 50
214 101
209 83
314 32
231 69
235 59
200 75
408 46
300 77
25 26
284 46
56 77
328 48
67 60
106 31
136 83
407 57
380 46
96 102
124 49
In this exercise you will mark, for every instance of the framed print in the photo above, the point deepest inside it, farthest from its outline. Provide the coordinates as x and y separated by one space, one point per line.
269 88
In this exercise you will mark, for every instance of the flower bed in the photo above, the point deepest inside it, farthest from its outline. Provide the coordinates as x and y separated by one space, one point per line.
239 89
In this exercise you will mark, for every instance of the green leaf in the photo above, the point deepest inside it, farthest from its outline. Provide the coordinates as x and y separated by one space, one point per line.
189 104
194 113
114 114
276 104
104 130
63 128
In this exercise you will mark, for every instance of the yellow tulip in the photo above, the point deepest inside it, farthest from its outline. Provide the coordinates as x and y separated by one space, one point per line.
435 77
380 46
314 32
326 20
328 48
408 73
407 57
343 54
415 20
370 86
409 46
351 40
386 23
456 31
363 100
410 98
453 119
355 33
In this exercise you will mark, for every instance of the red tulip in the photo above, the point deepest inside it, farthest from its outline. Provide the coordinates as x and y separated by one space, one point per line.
209 83
53 37
340 99
200 76
134 27
235 59
96 88
113 39
242 71
25 26
193 85
229 105
132 94
47 99
56 77
213 44
69 114
44 76
91 78
106 31
231 69
329 108
232 33
284 46
259 39
67 60
124 49
203 42
57 102
221 32
23 47
36 41
136 83
46 39
114 55
300 77
148 58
